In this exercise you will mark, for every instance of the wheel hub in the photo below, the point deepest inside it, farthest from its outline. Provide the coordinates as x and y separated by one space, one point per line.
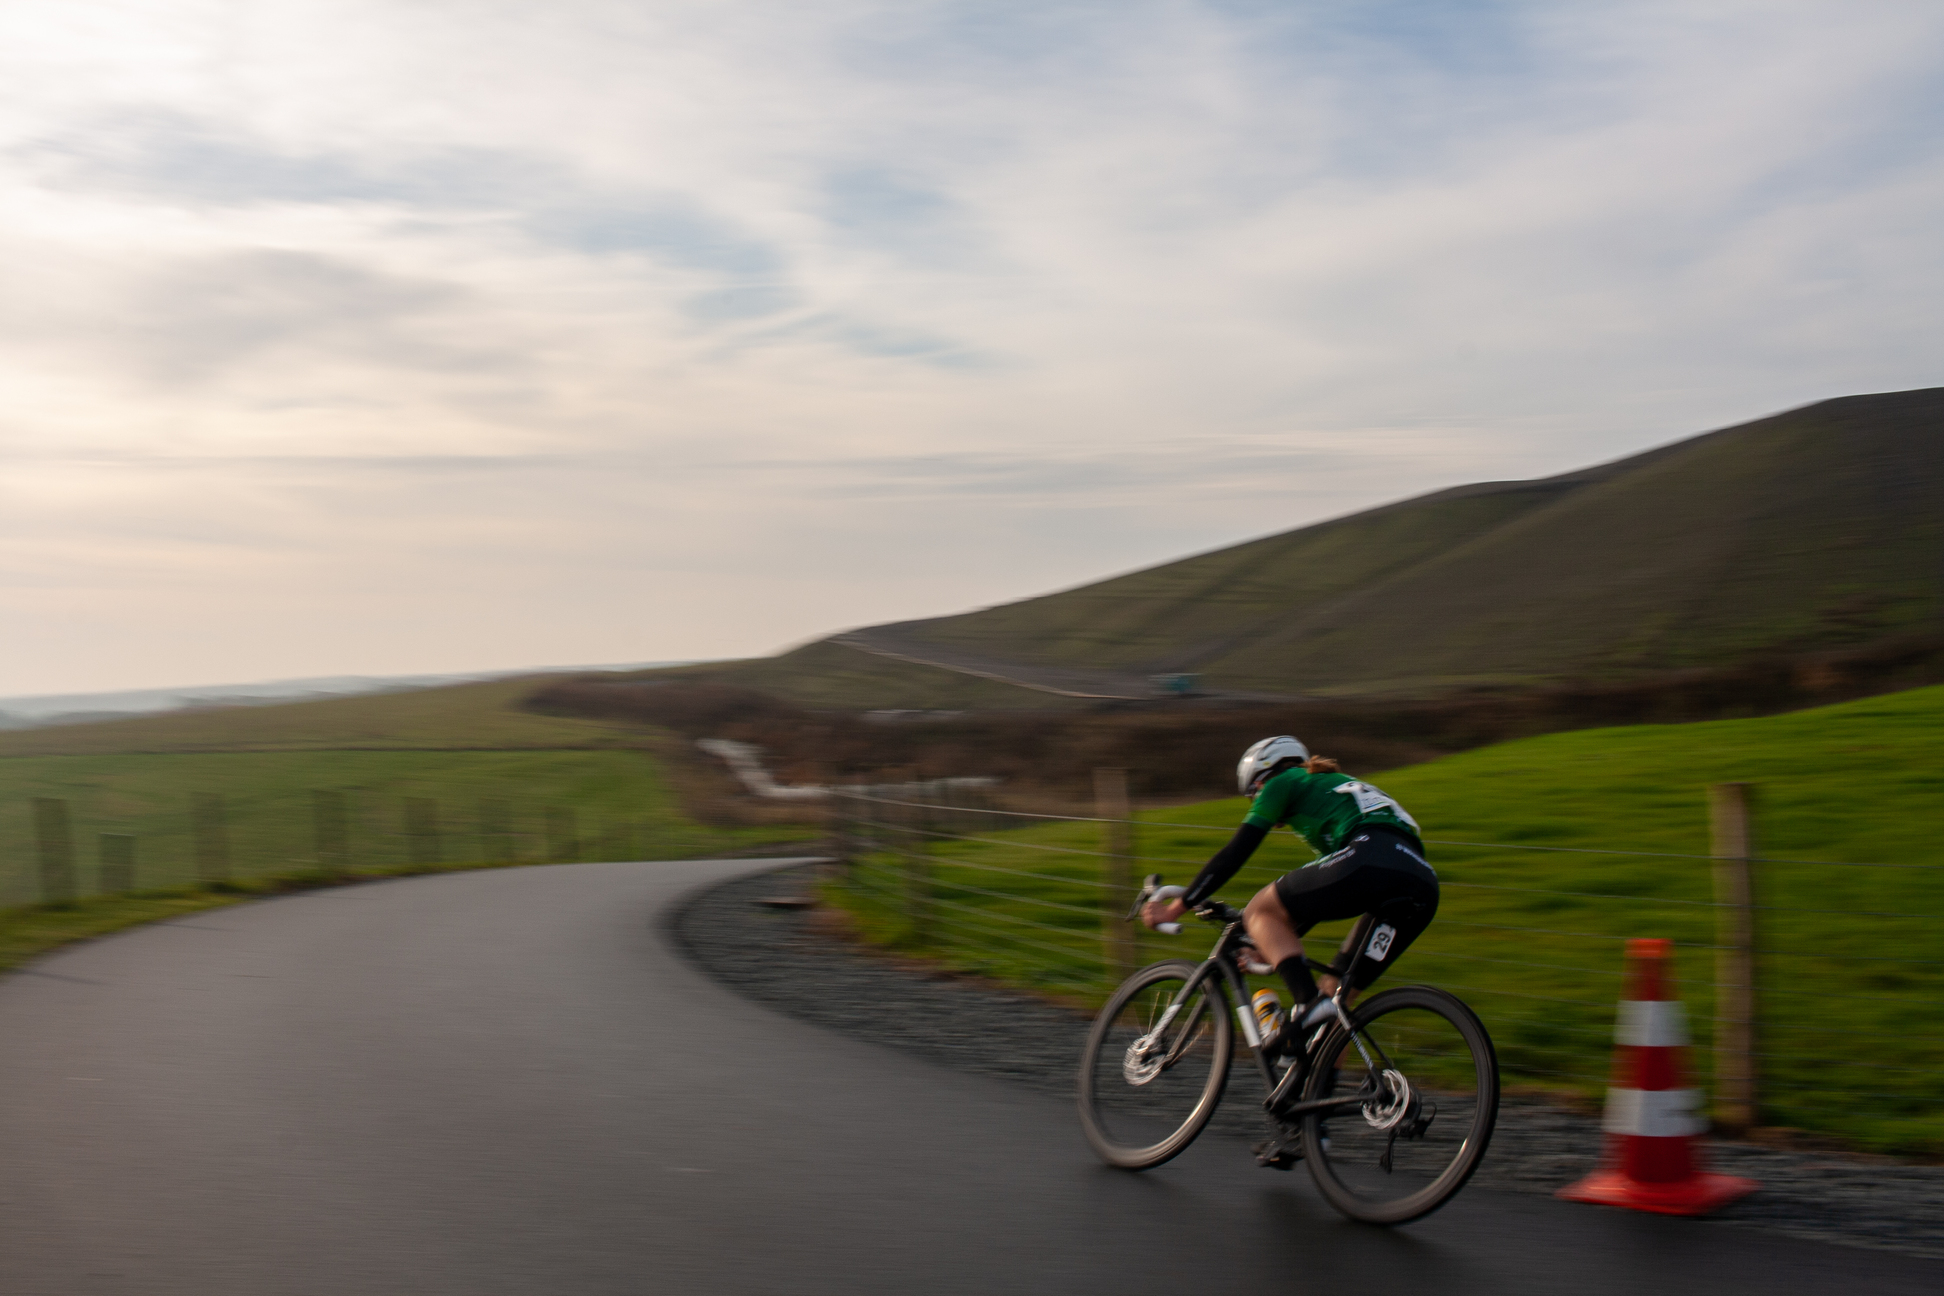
1142 1061
1392 1108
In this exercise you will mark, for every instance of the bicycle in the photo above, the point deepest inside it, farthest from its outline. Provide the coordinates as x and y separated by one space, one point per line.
1390 1104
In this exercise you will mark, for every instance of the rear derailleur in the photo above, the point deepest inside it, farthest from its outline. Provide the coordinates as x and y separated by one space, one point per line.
1411 1128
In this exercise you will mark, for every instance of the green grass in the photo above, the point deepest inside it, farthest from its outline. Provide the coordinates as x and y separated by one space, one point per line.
29 930
508 787
619 802
1850 1001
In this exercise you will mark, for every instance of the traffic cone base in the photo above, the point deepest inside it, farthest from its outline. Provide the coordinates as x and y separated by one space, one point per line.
1695 1196
1652 1122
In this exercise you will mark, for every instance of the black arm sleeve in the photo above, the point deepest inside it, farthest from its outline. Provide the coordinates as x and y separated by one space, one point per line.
1223 864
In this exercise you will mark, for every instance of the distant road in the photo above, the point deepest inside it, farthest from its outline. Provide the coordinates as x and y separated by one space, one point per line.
507 1082
885 641
1063 681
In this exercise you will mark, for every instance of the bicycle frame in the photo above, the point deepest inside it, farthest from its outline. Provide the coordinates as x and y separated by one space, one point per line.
1221 968
1317 1085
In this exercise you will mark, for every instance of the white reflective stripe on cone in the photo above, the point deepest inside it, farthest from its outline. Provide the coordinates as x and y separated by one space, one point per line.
1654 1113
1651 1023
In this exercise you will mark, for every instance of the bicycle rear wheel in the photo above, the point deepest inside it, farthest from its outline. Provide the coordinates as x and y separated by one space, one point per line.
1432 1100
1150 1081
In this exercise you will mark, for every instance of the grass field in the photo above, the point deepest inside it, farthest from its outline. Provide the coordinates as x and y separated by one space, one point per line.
492 785
1851 980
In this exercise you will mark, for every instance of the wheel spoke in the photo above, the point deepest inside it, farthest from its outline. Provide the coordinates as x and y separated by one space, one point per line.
1427 1115
1149 1082
1196 1018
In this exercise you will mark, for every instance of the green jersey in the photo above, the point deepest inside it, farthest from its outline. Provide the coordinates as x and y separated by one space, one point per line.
1324 809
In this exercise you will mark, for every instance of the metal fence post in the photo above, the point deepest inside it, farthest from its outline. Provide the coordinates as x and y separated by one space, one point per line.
54 836
210 824
1734 890
330 833
117 863
1117 891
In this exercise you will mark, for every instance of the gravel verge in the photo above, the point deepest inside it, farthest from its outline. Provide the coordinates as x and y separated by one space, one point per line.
779 957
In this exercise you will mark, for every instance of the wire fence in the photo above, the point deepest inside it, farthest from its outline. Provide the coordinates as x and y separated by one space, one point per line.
1813 993
65 854
208 821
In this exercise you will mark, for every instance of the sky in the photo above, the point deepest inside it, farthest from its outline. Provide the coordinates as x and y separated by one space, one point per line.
382 336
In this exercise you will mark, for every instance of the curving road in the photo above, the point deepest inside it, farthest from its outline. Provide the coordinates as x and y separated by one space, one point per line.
508 1082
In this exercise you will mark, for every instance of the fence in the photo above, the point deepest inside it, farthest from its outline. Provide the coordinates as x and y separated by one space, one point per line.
1812 986
74 847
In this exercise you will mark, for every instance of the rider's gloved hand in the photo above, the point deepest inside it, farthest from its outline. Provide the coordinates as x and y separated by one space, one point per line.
1163 908
1156 912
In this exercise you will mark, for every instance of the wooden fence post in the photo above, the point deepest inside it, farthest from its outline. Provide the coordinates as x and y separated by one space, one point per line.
563 838
54 836
331 833
495 831
918 862
1117 893
117 863
422 832
210 825
1734 891
837 834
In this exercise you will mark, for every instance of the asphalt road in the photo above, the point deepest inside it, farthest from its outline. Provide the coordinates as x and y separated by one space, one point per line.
508 1082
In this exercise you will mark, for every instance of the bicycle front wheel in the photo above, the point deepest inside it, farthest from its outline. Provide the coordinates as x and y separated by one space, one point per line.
1155 1065
1431 1099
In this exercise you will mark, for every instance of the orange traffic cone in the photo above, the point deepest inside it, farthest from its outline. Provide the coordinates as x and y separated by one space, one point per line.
1652 1163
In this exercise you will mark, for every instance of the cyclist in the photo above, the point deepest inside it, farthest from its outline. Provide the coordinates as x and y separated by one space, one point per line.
1371 865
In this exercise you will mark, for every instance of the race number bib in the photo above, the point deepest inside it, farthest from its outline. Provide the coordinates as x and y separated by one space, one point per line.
1380 941
1370 798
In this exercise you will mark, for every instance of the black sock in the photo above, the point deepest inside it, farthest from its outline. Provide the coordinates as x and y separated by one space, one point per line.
1296 975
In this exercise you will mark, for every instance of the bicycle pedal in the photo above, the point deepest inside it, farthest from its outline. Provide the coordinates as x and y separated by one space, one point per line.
1277 1155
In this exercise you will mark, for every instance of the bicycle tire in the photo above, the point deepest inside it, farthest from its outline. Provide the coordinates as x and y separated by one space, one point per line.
1338 1169
1116 1133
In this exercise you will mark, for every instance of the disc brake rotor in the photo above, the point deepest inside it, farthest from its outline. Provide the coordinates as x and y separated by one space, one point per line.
1388 1112
1143 1061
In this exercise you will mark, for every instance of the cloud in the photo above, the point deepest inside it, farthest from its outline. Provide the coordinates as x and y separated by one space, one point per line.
628 331
171 156
192 320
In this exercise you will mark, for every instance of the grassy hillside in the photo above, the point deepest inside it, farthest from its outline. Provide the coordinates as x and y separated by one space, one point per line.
828 675
1854 970
1816 530
490 782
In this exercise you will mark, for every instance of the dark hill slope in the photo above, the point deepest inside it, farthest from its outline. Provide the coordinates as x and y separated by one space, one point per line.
1818 530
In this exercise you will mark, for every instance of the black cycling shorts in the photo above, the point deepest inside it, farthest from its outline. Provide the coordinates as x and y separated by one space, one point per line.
1379 874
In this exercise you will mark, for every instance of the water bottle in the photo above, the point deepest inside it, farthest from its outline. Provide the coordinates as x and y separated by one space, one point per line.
1268 1011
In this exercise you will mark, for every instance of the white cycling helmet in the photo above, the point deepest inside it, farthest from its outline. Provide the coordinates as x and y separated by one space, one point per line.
1263 757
